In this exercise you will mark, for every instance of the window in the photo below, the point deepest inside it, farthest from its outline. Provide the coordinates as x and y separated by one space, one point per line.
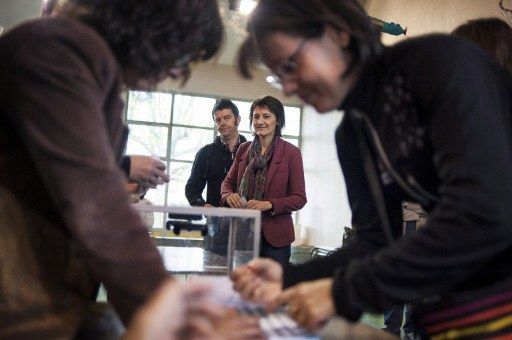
174 127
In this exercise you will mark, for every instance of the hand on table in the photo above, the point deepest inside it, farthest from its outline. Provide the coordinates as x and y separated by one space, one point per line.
177 311
148 171
310 304
231 325
218 323
258 281
208 320
162 316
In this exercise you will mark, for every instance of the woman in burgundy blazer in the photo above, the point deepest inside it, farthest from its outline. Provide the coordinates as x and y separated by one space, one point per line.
268 175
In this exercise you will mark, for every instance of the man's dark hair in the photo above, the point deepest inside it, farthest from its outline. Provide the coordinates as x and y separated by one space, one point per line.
308 19
151 37
222 104
274 106
493 35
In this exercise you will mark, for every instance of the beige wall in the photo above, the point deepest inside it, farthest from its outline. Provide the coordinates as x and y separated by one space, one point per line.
208 78
427 16
327 211
12 12
223 80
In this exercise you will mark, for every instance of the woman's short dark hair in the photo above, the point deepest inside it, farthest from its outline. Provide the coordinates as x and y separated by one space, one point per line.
493 35
308 19
151 37
274 106
222 104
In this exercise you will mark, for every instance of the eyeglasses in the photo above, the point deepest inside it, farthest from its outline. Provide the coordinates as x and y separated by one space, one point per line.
289 66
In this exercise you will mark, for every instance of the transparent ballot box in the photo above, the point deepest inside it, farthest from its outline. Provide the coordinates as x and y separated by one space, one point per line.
224 238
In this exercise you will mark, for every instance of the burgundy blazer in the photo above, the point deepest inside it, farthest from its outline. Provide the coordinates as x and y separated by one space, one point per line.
285 189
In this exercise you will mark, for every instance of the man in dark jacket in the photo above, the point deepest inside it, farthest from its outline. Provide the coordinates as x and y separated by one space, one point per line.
214 160
211 166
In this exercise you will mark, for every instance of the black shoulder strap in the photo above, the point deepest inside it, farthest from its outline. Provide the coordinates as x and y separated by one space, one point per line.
365 131
371 174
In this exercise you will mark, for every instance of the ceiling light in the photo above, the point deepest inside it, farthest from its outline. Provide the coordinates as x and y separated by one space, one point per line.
246 6
272 80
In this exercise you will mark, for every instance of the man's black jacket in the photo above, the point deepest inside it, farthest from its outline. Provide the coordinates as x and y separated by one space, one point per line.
211 166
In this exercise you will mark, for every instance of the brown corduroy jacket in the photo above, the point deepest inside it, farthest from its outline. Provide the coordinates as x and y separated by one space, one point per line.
65 221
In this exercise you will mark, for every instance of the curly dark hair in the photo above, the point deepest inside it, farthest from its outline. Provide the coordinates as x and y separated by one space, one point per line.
150 37
493 35
275 106
308 19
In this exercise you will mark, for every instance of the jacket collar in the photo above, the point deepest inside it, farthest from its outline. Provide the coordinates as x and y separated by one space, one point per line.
218 142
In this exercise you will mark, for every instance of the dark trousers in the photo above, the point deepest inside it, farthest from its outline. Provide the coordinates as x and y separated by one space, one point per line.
393 320
278 254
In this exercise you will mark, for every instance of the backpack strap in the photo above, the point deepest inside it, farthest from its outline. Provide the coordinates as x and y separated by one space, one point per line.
371 174
366 134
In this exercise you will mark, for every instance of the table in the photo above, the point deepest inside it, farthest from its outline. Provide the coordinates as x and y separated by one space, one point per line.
278 325
338 328
210 269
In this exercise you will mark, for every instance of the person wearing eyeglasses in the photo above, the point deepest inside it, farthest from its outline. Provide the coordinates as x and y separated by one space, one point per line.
423 121
65 221
267 175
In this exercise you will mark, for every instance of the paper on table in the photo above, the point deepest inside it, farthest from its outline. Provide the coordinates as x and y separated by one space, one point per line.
276 325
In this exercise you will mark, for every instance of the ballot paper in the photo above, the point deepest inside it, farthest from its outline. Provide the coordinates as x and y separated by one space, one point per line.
276 325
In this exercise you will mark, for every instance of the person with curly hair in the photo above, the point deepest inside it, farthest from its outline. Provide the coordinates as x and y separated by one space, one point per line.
65 221
143 172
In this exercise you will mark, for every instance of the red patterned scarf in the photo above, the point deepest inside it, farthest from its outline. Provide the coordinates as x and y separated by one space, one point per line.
254 179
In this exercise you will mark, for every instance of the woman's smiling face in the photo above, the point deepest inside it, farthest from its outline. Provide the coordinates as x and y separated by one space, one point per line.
264 121
312 69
